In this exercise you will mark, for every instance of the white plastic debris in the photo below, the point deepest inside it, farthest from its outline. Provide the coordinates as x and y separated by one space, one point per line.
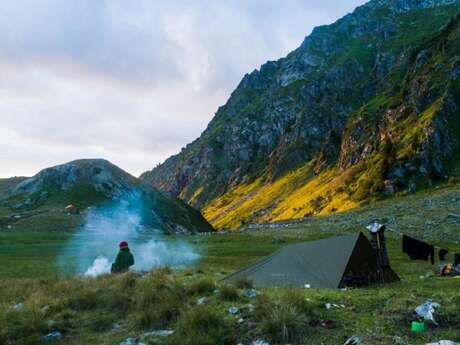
307 286
240 320
334 305
444 342
159 333
53 336
427 309
18 306
250 293
259 342
201 301
129 341
233 310
354 340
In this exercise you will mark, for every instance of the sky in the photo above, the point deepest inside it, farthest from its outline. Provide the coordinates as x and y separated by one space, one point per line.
131 81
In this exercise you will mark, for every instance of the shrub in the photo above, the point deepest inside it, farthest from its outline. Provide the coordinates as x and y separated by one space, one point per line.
201 287
244 283
159 300
286 320
229 293
21 327
202 325
284 324
296 299
83 298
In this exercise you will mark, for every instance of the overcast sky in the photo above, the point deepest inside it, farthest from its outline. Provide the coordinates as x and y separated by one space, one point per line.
131 81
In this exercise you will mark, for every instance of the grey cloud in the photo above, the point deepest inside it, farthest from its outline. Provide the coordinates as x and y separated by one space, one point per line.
131 81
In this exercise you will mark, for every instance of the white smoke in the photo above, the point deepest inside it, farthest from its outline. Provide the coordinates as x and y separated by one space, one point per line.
100 266
94 247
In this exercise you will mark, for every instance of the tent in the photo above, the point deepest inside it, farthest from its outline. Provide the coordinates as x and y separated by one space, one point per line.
330 263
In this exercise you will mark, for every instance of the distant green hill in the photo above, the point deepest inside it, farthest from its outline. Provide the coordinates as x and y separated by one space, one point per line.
39 202
365 108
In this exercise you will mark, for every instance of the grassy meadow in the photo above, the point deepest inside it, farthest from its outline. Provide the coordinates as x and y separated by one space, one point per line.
109 309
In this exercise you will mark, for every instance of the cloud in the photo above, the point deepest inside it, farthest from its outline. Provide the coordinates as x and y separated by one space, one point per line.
131 81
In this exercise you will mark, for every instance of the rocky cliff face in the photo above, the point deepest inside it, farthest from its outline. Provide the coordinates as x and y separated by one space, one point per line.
370 98
94 182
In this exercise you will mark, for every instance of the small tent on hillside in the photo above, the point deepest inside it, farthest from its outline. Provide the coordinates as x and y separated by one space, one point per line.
330 263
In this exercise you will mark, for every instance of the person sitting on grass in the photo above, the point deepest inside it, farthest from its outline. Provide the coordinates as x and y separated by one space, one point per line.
124 259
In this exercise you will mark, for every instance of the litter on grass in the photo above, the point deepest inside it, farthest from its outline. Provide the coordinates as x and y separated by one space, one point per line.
233 310
427 309
354 340
159 333
53 336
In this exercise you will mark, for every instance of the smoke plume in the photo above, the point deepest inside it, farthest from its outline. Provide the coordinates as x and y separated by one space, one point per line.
94 246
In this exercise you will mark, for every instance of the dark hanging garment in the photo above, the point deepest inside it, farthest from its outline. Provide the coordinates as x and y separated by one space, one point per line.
456 259
417 250
378 243
442 254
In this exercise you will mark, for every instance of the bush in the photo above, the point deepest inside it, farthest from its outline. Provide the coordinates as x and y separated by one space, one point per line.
244 283
22 327
202 325
159 300
286 320
285 324
201 287
229 293
296 299
83 298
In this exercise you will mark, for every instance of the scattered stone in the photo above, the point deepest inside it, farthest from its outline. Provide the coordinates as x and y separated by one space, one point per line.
251 307
250 293
233 310
398 341
455 218
53 336
116 327
159 333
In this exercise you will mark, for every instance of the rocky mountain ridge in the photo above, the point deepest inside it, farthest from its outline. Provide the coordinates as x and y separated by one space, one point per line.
97 182
364 107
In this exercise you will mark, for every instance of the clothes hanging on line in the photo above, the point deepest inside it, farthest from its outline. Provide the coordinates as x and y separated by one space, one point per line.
442 254
417 250
456 259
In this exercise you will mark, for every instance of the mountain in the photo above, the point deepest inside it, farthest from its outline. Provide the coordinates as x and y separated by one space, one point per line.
96 182
365 108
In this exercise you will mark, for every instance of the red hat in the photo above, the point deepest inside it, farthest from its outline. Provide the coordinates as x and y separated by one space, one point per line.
123 244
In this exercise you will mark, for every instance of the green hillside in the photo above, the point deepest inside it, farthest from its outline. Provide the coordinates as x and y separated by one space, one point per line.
365 108
38 203
109 309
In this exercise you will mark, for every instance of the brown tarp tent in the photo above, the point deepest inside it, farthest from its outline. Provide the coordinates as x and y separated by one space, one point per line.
330 263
